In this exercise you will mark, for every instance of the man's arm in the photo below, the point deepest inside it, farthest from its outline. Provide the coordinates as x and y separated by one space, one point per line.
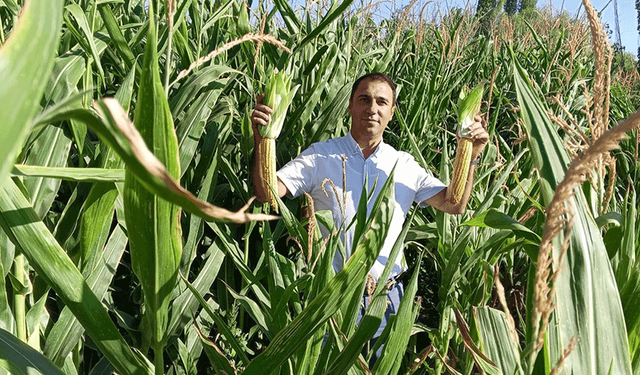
260 117
480 139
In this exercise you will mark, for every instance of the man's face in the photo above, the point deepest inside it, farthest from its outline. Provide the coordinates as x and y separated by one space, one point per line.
371 109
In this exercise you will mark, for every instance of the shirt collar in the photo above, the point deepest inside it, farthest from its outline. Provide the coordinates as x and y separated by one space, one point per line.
353 148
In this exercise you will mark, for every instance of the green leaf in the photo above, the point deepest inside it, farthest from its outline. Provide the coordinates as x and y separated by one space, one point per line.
78 14
20 359
50 262
332 14
329 300
586 286
613 218
67 330
153 224
493 218
26 60
222 326
496 341
69 174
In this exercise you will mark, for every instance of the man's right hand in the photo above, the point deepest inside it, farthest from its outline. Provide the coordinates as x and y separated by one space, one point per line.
261 116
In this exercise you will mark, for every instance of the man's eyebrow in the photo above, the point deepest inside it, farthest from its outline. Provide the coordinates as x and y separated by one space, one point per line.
379 97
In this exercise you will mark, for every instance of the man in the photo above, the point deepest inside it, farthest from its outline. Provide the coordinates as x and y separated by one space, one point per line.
371 106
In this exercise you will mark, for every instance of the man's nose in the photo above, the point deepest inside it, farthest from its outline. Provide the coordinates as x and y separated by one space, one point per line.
372 108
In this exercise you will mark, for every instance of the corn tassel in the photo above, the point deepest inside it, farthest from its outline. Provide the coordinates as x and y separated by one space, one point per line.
268 165
460 171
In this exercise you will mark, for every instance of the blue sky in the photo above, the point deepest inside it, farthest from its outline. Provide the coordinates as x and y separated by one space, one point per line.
626 13
627 16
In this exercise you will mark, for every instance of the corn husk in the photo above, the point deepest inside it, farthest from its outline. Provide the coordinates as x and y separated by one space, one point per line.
278 95
468 107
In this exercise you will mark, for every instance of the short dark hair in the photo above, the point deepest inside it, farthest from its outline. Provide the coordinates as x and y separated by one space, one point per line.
374 76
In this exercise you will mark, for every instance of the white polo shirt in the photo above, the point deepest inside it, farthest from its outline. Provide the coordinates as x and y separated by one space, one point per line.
323 160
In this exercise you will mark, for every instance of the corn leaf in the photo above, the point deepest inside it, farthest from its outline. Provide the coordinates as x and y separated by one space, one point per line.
496 341
78 14
67 330
20 359
153 224
222 326
185 305
69 174
26 60
588 301
25 229
329 300
400 330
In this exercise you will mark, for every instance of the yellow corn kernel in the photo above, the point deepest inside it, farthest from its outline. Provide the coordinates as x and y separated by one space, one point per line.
268 165
460 171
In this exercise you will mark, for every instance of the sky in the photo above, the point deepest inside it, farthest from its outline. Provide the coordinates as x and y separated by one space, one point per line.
626 13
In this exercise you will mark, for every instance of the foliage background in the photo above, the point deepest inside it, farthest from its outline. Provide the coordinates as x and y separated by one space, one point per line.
65 167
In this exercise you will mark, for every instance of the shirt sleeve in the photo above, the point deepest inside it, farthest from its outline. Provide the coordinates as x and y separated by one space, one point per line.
299 174
426 185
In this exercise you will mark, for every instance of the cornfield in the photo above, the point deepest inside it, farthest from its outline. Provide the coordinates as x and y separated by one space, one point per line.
131 244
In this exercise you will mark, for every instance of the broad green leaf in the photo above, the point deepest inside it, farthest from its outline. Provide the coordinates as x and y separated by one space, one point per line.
585 287
493 218
78 14
222 326
67 330
210 155
115 129
327 303
481 360
20 359
496 340
400 329
69 174
121 46
610 218
190 129
331 16
98 209
153 224
50 149
50 262
185 305
26 60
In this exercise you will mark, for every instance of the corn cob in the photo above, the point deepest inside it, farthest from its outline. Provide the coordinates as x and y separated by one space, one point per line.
278 96
268 165
468 106
460 170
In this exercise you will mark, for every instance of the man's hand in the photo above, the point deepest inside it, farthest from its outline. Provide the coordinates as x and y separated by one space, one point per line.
260 117
479 135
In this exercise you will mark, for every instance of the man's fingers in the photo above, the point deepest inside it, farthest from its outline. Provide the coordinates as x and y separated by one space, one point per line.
260 118
478 133
264 108
262 113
